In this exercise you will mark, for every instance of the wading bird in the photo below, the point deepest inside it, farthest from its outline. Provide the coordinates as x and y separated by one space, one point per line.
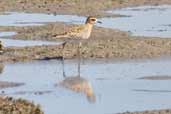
80 32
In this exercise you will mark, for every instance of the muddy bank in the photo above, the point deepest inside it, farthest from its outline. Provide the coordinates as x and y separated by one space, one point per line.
79 7
9 84
163 111
47 31
163 77
11 106
104 43
126 48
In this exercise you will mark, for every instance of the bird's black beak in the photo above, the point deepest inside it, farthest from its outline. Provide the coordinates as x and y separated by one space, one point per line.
99 22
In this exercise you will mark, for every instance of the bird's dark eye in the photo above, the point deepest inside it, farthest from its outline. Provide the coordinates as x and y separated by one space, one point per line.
93 19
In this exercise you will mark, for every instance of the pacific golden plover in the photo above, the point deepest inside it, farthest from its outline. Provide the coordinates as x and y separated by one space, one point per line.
78 32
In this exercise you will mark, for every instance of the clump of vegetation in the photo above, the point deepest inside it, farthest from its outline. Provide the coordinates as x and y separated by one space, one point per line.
8 105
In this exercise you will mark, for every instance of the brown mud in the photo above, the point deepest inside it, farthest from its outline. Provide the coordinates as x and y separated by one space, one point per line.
104 43
78 7
162 111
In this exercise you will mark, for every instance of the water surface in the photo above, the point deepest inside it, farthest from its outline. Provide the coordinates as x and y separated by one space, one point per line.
142 21
22 43
2 34
115 85
151 21
35 19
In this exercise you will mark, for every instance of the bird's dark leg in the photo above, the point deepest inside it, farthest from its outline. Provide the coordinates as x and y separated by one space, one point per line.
63 57
1 48
79 57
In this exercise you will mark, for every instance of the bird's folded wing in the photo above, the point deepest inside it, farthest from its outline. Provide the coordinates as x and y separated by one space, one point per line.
73 32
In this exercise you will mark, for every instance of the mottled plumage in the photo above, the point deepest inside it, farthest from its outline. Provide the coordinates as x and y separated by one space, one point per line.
80 31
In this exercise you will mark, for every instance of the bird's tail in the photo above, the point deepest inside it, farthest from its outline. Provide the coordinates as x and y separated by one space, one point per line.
64 35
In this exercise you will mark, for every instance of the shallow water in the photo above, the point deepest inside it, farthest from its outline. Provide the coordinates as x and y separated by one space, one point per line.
28 19
114 83
142 21
3 34
22 43
35 19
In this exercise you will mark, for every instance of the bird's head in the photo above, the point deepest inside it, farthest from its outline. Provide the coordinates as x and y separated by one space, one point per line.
92 20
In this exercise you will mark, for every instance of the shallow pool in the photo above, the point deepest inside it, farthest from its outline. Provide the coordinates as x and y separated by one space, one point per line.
22 43
114 83
151 21
142 21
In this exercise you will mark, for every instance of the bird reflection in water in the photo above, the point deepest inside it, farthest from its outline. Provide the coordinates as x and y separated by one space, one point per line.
78 84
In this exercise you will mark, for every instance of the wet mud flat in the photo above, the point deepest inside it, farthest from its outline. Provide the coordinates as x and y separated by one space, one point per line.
46 32
167 111
104 43
125 48
81 7
9 84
